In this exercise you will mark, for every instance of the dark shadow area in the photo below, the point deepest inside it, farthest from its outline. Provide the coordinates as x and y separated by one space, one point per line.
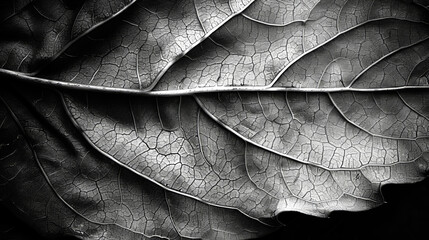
405 216
12 228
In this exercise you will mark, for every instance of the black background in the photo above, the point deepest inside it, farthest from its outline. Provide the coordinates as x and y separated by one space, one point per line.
404 216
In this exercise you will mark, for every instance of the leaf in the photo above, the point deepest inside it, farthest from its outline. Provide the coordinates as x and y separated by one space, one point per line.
315 43
86 189
149 37
317 46
271 183
312 128
208 119
177 146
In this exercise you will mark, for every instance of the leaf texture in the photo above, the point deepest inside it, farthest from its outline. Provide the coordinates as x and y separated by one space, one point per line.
371 161
148 39
88 189
326 44
289 123
207 119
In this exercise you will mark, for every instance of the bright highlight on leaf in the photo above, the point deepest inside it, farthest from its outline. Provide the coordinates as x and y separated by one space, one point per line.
205 119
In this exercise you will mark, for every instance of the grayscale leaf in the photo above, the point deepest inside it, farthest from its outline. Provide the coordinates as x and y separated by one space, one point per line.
207 119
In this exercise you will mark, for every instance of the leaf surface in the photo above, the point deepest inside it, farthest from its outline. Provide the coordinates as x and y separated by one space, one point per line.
207 119
264 161
148 39
312 128
324 44
86 188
